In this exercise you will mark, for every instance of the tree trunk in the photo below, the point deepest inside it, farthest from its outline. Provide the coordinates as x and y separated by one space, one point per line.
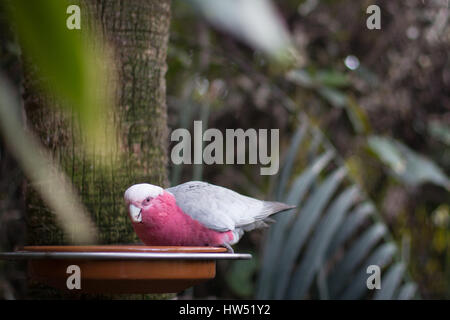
138 31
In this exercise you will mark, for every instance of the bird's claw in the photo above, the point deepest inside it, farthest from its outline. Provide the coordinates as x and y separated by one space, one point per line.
229 248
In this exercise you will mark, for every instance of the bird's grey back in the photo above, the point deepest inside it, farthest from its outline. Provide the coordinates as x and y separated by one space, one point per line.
223 209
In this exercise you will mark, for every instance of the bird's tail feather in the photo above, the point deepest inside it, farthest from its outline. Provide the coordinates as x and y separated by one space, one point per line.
272 207
263 220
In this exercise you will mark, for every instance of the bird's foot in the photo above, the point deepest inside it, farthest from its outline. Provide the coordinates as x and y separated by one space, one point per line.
229 248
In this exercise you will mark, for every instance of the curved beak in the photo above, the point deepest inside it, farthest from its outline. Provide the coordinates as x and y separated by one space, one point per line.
135 213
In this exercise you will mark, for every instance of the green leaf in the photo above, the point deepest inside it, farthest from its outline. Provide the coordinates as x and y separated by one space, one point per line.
332 78
315 252
286 171
354 220
252 21
407 165
277 233
407 291
335 259
323 78
308 216
301 77
389 153
335 97
46 177
72 65
440 131
382 256
355 256
240 277
357 116
390 282
315 144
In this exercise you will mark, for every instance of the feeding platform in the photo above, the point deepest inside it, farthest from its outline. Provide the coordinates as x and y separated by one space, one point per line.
124 268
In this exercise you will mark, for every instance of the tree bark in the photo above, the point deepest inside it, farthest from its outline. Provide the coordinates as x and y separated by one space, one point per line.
138 31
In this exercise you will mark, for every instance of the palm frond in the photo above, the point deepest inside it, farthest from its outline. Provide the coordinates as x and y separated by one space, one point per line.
322 248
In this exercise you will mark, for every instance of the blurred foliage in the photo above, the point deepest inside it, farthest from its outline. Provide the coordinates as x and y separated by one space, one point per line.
68 67
68 62
240 277
12 233
253 21
46 176
363 117
408 166
380 101
323 248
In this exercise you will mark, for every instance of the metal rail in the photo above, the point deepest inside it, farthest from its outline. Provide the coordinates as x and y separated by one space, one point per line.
24 255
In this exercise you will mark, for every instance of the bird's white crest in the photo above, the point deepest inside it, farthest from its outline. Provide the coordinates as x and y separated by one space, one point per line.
139 192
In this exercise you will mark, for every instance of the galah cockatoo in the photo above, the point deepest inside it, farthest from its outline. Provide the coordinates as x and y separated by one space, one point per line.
195 214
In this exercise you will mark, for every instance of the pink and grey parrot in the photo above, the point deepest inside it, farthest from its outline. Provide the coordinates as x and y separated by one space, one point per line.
195 214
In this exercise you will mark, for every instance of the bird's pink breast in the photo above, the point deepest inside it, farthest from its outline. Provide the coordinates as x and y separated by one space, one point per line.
164 223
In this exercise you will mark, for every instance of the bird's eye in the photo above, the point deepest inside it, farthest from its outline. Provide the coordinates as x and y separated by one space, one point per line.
147 200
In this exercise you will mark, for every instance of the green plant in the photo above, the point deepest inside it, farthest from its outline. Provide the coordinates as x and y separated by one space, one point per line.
323 248
66 64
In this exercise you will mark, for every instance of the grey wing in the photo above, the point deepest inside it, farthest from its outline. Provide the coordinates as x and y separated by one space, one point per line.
223 209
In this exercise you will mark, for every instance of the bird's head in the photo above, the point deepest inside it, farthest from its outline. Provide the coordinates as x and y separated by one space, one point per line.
138 197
